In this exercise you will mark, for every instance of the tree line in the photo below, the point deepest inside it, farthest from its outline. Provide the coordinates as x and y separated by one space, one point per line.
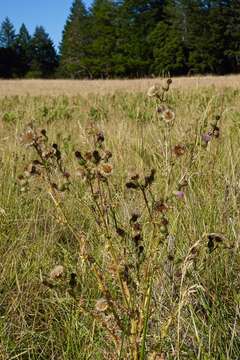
130 38
23 55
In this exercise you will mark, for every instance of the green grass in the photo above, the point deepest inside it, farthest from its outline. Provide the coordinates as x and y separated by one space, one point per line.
194 314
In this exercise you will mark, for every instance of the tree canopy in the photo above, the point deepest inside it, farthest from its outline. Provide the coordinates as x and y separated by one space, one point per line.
130 38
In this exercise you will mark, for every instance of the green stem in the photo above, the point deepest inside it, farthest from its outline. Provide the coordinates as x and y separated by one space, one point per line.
145 326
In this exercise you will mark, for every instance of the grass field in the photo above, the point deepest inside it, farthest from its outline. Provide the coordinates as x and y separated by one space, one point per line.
130 256
86 87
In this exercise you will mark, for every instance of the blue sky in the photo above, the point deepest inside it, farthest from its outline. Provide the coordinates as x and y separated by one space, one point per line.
52 14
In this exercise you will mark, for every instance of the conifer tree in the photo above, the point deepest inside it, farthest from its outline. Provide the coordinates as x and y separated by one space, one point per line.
232 33
167 41
44 57
7 34
23 50
137 19
75 42
8 56
103 38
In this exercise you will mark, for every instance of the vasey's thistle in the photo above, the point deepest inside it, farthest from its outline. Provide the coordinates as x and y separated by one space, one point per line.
135 227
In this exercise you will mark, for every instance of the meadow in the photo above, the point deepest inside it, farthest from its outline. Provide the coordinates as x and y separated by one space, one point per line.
119 217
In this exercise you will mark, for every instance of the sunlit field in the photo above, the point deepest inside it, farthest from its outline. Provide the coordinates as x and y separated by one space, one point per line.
86 87
119 209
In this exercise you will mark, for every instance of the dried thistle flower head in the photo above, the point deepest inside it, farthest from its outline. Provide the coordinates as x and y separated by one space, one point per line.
154 90
148 180
168 116
28 137
216 131
161 108
134 217
106 169
160 206
100 137
107 155
179 150
57 272
216 237
101 305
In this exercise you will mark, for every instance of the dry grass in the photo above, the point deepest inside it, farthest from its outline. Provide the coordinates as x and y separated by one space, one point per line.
196 311
84 87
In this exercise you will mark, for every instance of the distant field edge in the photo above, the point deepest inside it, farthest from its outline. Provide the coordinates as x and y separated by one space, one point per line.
55 87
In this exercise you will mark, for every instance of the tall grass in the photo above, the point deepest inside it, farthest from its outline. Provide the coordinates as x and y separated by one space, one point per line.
132 264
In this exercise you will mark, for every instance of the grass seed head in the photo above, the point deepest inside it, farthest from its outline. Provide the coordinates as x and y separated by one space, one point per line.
57 272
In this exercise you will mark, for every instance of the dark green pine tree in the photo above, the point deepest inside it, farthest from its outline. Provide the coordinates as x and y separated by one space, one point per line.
167 41
103 38
7 34
74 48
232 33
8 56
23 50
136 20
206 36
44 56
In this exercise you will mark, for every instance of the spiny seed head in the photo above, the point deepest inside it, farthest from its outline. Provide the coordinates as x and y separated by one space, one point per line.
164 221
161 108
100 137
28 138
120 232
132 185
81 160
137 239
154 90
44 132
78 155
106 169
216 132
101 305
137 227
57 272
107 155
88 155
134 177
179 150
150 179
134 217
216 237
168 116
160 206
96 157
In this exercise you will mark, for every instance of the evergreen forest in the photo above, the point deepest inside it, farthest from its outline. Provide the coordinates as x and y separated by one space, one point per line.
129 39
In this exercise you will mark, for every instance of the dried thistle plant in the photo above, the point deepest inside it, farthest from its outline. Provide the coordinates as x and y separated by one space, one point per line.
140 249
